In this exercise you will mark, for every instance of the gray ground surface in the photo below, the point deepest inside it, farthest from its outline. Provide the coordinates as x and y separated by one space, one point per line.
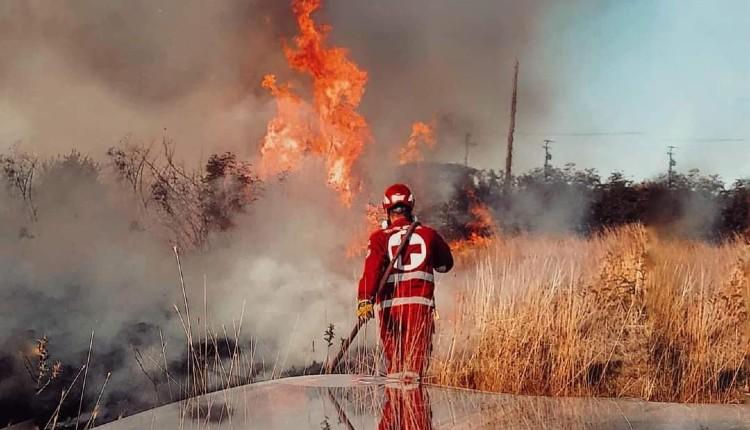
350 402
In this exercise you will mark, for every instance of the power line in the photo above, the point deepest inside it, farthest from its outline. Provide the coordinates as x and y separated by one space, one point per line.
718 139
585 133
709 139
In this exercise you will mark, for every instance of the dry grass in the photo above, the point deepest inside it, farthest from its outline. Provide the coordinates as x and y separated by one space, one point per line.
623 314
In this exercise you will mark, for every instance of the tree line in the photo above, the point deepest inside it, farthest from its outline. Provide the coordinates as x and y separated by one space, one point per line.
569 199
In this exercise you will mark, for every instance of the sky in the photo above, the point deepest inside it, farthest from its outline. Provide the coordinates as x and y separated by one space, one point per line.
662 72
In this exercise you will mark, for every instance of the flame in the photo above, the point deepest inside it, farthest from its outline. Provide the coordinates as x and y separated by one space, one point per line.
285 142
483 224
463 247
422 134
481 228
328 125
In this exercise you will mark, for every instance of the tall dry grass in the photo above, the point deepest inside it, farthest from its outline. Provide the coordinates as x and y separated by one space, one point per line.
624 314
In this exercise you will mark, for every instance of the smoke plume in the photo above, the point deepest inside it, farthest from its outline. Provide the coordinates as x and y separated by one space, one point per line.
85 74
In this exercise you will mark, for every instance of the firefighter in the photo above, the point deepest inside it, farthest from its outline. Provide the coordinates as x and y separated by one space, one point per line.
406 304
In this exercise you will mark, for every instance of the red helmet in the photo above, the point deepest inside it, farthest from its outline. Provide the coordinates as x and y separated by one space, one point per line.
398 194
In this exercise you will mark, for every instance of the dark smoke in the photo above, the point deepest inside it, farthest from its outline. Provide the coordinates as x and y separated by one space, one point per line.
85 73
148 52
449 62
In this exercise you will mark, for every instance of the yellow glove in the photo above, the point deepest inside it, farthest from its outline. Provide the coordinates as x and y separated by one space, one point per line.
365 310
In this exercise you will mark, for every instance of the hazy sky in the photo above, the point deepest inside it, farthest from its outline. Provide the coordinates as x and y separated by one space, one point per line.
676 72
654 72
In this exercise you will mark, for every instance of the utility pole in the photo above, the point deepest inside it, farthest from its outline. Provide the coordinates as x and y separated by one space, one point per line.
467 143
511 130
672 164
547 158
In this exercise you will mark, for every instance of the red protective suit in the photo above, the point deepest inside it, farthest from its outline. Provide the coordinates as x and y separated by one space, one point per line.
405 306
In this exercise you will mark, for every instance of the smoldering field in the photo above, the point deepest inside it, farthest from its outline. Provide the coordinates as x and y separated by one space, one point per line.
94 258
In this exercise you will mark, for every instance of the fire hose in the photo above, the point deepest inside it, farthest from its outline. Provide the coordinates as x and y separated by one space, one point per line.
346 342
